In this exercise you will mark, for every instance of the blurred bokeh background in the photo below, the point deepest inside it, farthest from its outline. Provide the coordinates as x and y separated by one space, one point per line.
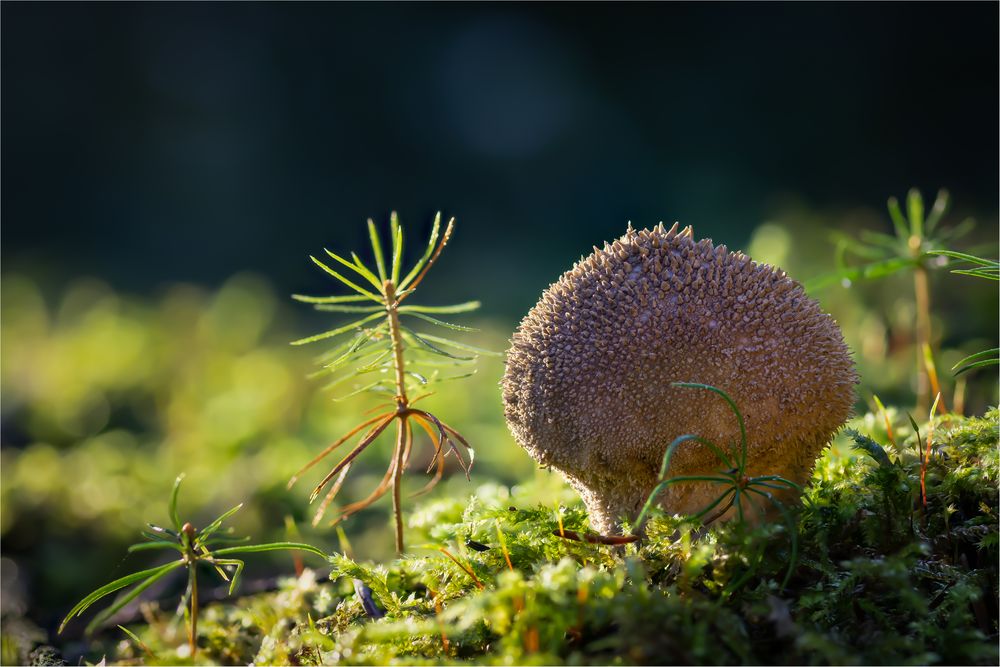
167 168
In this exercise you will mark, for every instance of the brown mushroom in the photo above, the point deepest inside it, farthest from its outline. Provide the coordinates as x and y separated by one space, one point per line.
587 389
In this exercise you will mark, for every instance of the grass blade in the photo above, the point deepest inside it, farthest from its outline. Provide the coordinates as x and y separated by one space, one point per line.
916 429
137 641
885 417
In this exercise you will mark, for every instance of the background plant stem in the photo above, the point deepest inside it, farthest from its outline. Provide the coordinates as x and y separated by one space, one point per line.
923 331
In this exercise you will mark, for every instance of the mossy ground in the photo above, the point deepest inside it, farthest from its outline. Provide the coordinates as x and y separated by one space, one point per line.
880 579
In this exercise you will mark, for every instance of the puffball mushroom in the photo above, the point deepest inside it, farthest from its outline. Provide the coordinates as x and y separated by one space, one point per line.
587 389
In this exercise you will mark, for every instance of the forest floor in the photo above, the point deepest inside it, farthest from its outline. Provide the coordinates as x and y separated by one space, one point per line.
878 571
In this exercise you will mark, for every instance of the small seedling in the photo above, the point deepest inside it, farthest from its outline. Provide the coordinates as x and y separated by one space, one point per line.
738 486
920 244
194 546
383 347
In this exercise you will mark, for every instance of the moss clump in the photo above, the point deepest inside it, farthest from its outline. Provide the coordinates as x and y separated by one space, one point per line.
881 580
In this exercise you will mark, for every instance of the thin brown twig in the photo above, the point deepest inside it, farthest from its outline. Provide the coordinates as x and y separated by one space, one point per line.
885 417
933 376
467 569
379 491
437 614
367 440
927 454
334 490
444 430
438 458
427 267
332 447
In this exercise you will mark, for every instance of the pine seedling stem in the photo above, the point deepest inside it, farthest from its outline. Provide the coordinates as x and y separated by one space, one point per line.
392 342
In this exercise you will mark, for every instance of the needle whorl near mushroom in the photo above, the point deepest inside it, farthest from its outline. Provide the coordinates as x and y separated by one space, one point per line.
587 386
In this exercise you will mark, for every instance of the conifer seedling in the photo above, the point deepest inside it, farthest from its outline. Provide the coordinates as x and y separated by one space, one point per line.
920 243
194 546
399 362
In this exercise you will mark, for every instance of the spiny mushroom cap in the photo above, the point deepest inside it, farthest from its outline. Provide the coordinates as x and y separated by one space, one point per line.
587 389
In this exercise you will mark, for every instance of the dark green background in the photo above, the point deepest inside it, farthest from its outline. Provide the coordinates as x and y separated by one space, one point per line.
150 143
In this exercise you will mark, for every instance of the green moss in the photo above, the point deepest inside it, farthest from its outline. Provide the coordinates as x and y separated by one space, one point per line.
881 580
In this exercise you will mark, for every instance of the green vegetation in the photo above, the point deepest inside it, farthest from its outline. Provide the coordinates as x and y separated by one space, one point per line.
880 579
381 345
889 557
919 244
194 546
739 488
